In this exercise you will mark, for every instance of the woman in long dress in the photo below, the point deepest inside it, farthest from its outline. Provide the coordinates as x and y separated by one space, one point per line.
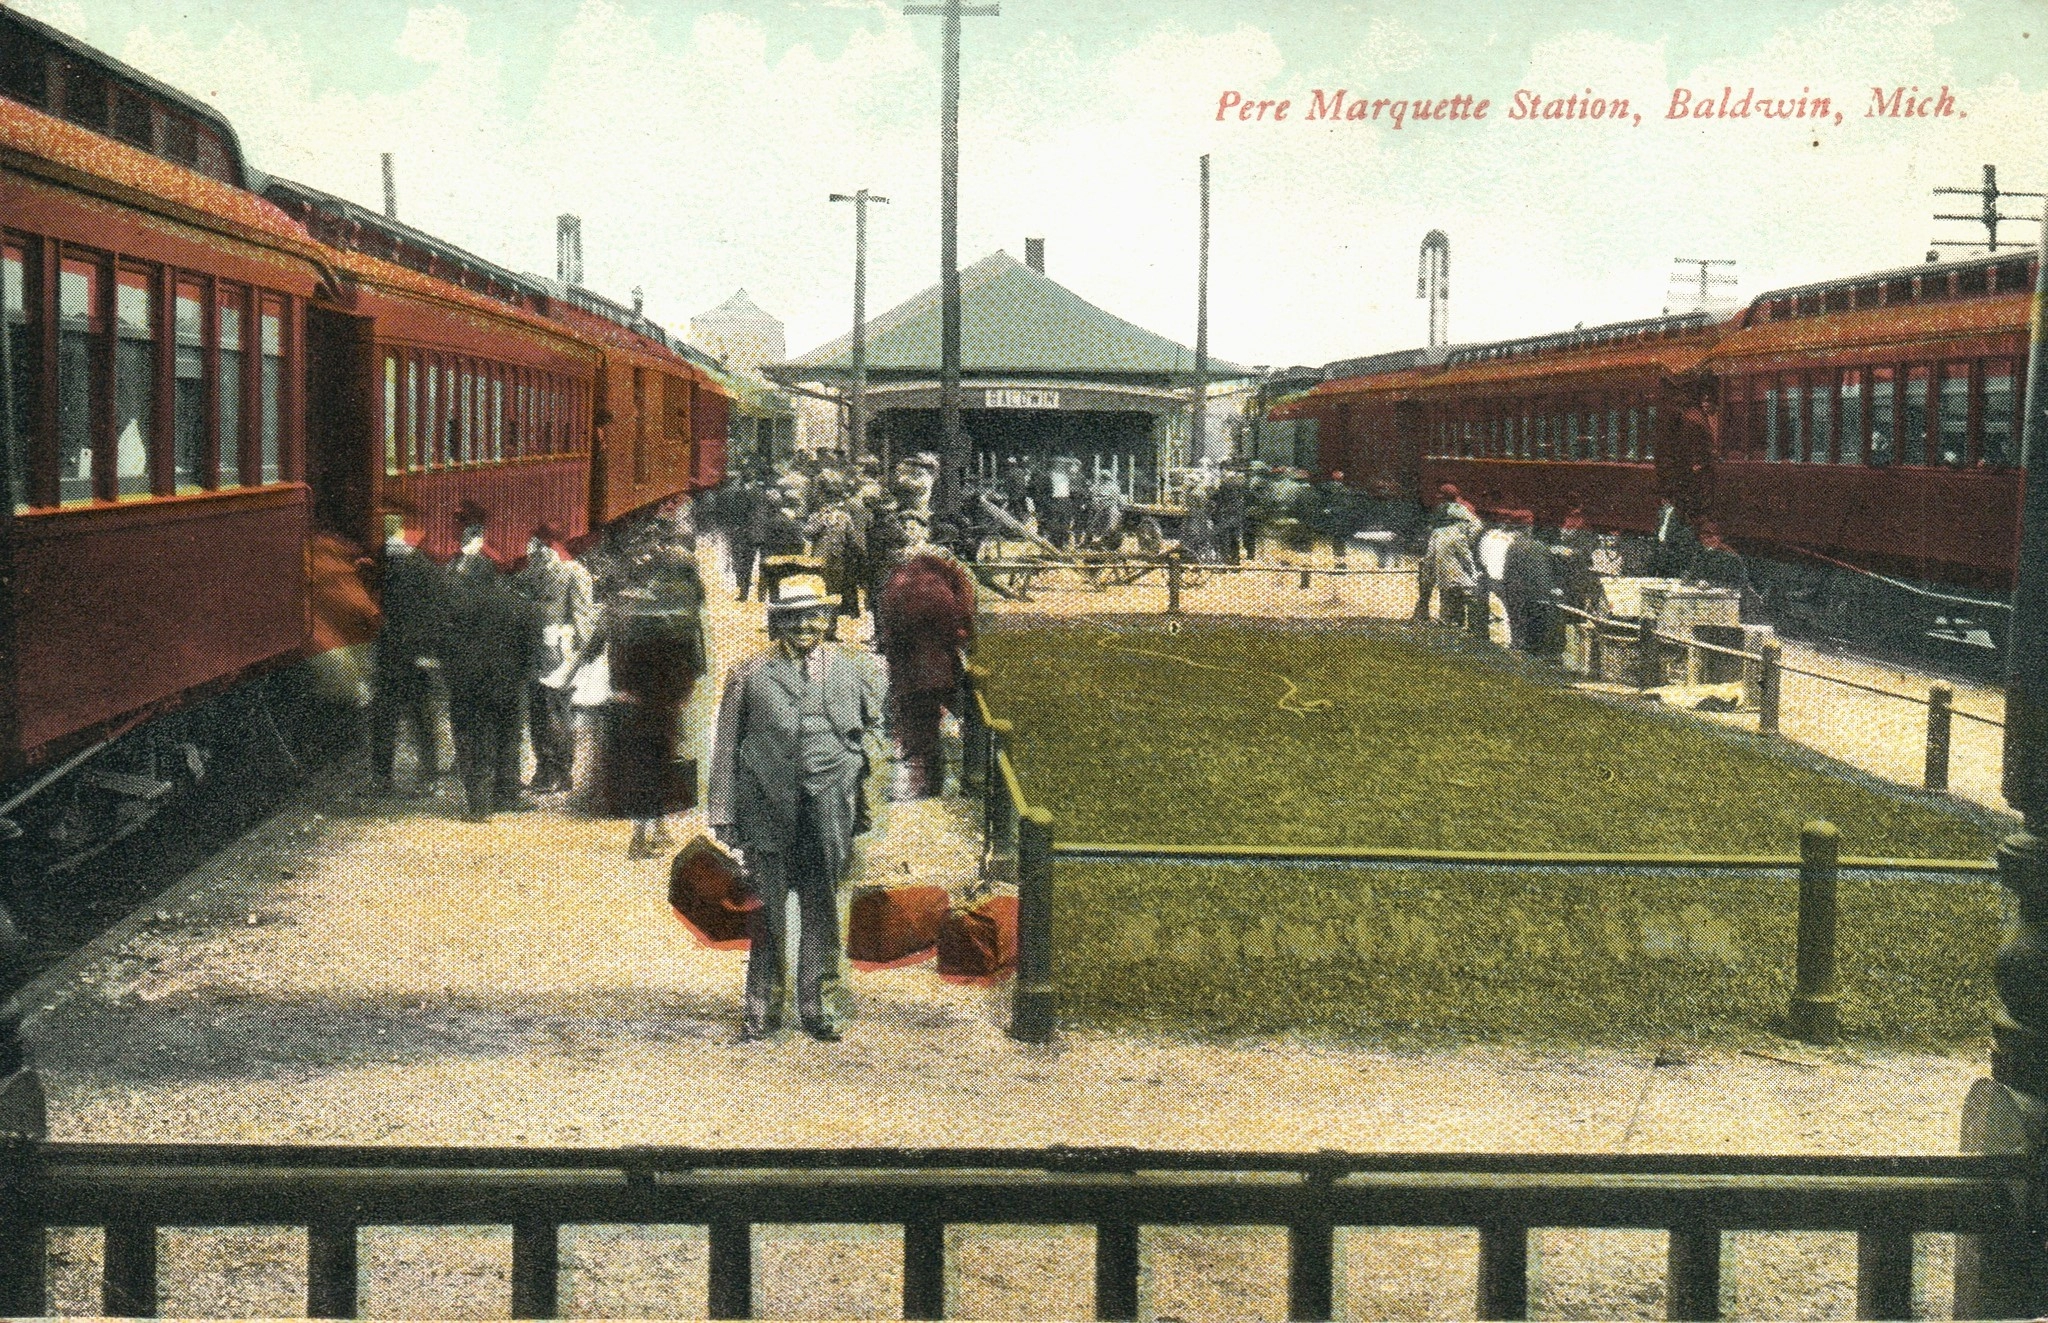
654 636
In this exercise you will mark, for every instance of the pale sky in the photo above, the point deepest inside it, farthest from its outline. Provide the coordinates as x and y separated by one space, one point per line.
699 141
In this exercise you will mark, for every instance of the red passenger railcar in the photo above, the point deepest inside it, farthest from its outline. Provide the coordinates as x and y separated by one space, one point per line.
156 318
1856 440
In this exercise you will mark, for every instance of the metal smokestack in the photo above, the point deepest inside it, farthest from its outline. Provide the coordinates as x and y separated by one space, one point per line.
569 249
1034 255
390 190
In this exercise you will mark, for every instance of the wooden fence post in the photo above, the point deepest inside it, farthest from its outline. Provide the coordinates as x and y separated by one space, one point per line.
1031 1007
1000 861
24 1120
1941 699
1173 573
1815 1017
1649 667
1767 691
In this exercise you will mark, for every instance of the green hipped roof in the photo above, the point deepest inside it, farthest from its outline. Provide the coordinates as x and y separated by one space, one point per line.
1013 322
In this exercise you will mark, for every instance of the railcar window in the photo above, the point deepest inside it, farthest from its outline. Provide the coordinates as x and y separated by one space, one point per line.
1934 286
24 74
81 335
1614 432
1952 421
430 435
1999 442
131 118
1869 296
273 390
85 96
181 139
391 460
1897 292
1809 304
134 379
1795 422
1837 300
188 392
1773 422
1913 417
2013 278
640 427
1650 433
13 297
1884 430
1635 434
415 456
1820 442
229 302
1850 418
498 414
1974 281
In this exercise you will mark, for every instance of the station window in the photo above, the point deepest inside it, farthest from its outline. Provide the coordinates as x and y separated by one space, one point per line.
273 386
1884 429
14 299
81 339
1913 416
1952 420
1820 406
229 303
188 392
1850 417
2000 445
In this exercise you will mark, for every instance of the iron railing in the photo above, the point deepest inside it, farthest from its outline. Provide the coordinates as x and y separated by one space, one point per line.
135 1191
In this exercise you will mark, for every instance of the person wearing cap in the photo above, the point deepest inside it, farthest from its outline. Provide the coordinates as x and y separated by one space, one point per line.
1442 568
562 591
787 766
923 617
414 603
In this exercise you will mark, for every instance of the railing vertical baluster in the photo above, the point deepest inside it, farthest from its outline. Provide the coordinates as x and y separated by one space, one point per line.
1503 1271
1769 686
1884 1272
1031 1007
1173 583
536 1268
24 1249
331 1270
1001 809
731 1272
924 1270
975 759
1116 1270
1693 1272
1311 1270
1815 1016
1941 697
128 1273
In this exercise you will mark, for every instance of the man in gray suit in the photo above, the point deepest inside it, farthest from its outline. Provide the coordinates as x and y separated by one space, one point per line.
787 768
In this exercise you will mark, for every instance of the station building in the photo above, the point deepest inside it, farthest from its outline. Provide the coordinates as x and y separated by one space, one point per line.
1044 374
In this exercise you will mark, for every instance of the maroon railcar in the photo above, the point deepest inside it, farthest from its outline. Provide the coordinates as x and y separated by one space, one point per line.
155 331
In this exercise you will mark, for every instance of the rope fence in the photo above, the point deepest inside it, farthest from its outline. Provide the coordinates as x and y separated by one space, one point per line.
1770 668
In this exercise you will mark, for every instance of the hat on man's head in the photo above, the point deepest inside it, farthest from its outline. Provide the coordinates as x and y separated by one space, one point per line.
471 532
800 592
1447 492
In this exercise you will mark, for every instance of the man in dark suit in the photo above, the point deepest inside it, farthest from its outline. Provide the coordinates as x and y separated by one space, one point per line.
414 602
787 766
493 635
473 564
562 591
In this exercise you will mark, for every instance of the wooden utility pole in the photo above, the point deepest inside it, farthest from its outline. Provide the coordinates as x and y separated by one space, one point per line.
954 465
859 424
1201 411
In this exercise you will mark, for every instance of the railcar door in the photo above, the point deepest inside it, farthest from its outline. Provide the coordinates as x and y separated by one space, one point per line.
341 451
1407 457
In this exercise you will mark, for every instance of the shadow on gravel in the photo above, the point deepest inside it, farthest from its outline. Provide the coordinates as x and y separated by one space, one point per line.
224 1035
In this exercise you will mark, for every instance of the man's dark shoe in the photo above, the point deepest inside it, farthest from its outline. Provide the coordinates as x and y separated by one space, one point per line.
515 803
823 1032
757 1033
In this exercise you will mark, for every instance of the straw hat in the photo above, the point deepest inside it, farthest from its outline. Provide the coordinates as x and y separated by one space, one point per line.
801 592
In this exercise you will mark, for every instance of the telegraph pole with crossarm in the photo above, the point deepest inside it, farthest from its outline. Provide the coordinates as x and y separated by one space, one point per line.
858 422
1988 215
954 466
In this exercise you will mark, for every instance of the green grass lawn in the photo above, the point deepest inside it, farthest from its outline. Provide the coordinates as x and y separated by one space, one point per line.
1423 745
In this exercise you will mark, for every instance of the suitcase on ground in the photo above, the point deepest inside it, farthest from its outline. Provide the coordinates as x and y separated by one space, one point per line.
705 893
889 926
980 944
